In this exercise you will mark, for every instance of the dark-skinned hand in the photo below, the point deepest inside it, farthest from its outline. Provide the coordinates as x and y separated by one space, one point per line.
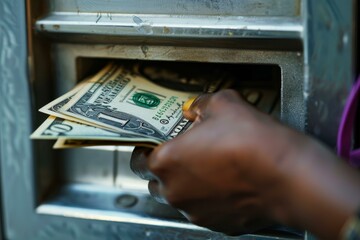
238 170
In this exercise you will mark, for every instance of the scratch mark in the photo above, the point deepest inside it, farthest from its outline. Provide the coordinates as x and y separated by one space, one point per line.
144 27
109 15
99 16
137 20
145 50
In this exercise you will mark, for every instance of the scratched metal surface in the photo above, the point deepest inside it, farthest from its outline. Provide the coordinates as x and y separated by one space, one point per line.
231 19
292 102
182 7
323 95
18 164
171 26
15 124
329 64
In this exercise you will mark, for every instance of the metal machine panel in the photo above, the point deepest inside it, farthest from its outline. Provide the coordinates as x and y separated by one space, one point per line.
52 195
182 7
329 65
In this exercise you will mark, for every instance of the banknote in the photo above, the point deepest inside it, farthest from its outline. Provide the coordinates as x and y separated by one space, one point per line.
54 128
124 105
52 108
124 101
63 143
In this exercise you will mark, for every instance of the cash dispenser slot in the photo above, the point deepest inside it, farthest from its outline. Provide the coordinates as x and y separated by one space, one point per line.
178 44
97 182
275 46
109 166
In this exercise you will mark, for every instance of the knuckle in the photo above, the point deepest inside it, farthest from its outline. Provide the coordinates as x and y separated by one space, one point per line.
227 95
224 97
160 159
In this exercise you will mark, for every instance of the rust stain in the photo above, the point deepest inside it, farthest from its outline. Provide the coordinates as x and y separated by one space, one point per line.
297 11
145 50
166 30
56 27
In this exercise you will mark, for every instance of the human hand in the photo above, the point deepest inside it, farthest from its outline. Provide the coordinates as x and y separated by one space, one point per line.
200 172
238 170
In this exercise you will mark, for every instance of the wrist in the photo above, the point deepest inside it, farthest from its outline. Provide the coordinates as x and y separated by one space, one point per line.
321 192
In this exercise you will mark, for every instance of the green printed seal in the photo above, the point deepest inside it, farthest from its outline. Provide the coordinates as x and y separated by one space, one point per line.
146 100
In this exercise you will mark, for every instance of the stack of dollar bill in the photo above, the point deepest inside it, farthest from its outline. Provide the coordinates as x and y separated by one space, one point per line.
117 106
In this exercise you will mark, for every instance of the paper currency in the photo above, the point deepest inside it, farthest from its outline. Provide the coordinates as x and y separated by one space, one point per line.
53 107
127 102
115 107
54 128
130 106
63 143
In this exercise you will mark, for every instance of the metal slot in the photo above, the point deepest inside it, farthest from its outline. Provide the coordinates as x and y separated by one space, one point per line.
90 57
97 183
171 26
316 77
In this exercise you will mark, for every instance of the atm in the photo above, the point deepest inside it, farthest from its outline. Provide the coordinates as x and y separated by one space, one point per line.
293 59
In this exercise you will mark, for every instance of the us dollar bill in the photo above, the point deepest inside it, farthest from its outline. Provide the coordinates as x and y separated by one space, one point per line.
127 102
53 107
63 143
55 128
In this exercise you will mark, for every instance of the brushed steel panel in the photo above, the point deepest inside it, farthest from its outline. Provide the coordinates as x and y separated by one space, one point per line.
171 26
182 7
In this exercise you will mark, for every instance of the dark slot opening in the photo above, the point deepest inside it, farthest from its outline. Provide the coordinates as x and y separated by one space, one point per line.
190 75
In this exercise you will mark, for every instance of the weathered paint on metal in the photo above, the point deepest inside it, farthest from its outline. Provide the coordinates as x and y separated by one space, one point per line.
329 64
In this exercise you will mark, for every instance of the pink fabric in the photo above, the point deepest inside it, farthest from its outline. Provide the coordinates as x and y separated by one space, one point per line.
344 141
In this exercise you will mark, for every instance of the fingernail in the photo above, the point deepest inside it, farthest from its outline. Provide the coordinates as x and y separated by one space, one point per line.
188 103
